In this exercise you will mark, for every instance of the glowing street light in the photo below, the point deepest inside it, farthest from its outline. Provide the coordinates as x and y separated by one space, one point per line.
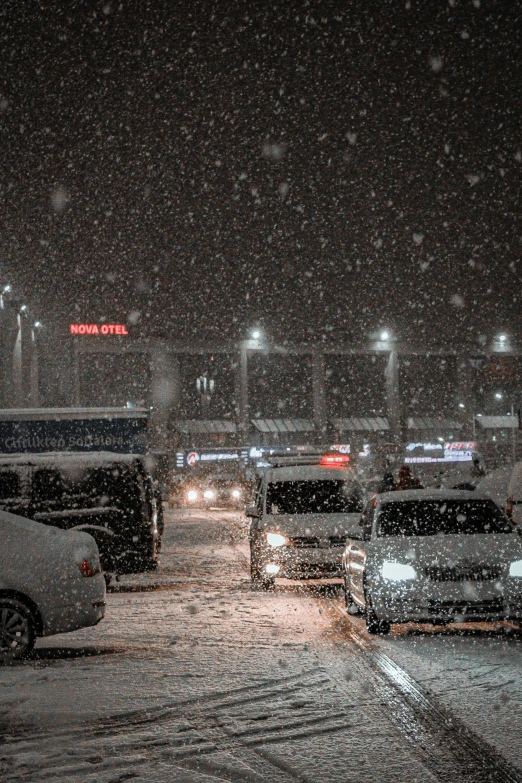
6 289
256 334
498 395
38 324
385 335
502 338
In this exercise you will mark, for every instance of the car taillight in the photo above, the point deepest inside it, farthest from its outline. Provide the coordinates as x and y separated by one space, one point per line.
335 460
90 567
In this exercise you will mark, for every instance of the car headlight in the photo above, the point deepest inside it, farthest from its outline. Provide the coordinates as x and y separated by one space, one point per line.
236 493
192 495
515 569
276 539
208 494
397 572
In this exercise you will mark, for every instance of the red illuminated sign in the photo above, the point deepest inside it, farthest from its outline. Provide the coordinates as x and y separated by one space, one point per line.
98 329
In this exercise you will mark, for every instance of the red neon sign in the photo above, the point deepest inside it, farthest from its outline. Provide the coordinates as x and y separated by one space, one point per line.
98 329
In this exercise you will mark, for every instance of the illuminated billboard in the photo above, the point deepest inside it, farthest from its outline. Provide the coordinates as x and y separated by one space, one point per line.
439 452
104 329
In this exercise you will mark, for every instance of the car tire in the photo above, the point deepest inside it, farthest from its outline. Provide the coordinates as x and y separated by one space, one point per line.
17 630
374 625
255 571
351 607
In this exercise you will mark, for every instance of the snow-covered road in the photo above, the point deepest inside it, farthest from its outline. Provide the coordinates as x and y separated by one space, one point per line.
192 677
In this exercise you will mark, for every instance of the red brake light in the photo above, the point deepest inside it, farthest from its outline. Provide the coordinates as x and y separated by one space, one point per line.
335 460
89 569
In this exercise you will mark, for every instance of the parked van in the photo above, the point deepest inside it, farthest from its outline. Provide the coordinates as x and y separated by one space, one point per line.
108 495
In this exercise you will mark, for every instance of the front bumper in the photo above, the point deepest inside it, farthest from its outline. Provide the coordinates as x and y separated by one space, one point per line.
426 603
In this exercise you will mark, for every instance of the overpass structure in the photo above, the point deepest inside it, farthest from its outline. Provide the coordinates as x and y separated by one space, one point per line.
164 359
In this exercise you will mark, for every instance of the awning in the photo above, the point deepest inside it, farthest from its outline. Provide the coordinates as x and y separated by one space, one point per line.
283 425
497 422
436 425
205 426
376 424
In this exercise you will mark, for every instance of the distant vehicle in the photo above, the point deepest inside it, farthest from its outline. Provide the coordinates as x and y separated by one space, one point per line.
301 519
433 556
108 495
50 582
215 488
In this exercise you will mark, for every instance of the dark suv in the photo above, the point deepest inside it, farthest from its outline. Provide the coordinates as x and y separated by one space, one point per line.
110 496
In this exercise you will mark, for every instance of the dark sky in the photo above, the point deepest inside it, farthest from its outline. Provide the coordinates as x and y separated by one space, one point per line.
321 168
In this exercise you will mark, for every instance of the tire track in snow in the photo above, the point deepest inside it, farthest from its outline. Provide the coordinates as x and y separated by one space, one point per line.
183 733
450 750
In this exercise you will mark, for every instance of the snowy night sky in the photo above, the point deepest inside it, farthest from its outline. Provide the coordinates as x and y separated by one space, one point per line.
319 168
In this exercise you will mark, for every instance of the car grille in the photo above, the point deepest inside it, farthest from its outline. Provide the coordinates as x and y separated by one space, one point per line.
306 542
494 606
337 540
313 542
476 573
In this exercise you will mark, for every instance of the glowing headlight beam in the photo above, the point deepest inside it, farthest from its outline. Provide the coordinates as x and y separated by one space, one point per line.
397 572
515 569
276 539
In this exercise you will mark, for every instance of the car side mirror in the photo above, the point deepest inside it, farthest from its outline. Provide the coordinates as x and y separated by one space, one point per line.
252 511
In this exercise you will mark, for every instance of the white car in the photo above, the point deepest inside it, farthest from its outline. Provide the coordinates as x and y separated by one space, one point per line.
50 582
433 556
301 519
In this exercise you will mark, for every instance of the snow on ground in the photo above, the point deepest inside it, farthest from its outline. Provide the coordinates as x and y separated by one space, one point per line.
192 677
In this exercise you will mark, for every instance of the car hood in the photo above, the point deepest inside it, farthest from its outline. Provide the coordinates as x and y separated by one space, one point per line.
312 524
448 550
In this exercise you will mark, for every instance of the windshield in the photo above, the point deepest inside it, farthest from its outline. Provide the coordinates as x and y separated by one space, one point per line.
313 497
434 517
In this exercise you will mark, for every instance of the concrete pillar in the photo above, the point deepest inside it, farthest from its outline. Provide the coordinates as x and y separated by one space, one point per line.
18 381
319 396
242 406
465 395
34 391
76 385
27 355
393 403
8 325
165 393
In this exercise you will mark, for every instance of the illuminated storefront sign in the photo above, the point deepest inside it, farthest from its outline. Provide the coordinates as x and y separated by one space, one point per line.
440 452
98 329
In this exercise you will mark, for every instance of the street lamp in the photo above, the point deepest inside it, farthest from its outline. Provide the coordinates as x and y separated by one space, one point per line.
502 338
256 334
498 395
385 335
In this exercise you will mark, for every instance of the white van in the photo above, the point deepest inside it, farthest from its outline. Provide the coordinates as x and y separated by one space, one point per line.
301 519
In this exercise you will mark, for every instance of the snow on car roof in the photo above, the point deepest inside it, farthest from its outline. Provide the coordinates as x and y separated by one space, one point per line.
431 494
310 473
62 459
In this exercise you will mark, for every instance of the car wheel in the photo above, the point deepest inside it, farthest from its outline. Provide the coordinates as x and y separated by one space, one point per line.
374 625
17 630
255 571
351 607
